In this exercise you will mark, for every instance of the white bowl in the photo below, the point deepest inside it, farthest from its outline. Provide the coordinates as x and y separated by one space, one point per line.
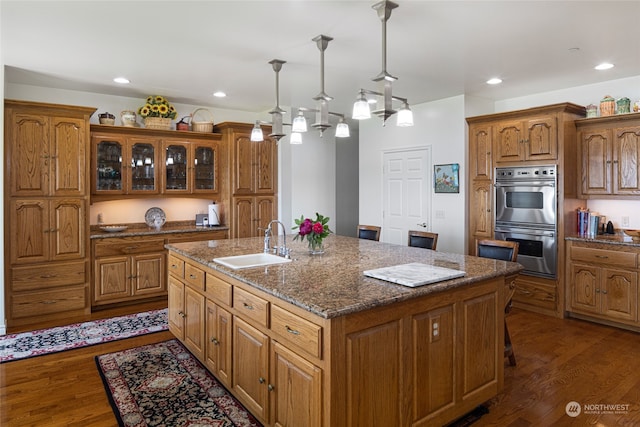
113 228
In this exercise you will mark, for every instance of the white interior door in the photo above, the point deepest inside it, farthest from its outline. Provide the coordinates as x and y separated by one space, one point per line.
406 193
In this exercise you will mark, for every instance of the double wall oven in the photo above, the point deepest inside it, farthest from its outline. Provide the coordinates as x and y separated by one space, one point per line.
526 212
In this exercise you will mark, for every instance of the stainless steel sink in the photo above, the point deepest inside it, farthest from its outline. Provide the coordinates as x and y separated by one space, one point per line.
251 260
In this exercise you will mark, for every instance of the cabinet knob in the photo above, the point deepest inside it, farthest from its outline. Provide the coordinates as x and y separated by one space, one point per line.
261 380
181 314
604 291
215 341
270 387
597 291
247 306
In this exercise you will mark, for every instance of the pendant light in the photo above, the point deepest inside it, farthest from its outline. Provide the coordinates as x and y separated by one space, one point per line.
361 108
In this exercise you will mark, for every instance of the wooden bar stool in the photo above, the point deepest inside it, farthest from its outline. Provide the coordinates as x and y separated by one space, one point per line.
423 239
369 232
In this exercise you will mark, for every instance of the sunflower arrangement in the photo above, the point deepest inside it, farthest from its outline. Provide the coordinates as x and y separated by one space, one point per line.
157 106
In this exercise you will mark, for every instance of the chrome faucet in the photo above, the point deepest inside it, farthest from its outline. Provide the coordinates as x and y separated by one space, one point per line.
267 239
281 250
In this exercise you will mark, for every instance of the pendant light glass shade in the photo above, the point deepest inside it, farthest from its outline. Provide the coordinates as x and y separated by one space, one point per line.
296 138
342 130
361 110
299 123
404 116
256 133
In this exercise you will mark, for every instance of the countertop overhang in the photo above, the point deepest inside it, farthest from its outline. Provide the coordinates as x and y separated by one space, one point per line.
333 284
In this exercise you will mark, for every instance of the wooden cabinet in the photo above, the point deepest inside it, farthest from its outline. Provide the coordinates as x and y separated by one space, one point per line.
47 231
253 174
135 162
128 268
124 164
187 316
190 166
537 136
438 356
609 152
252 215
603 282
528 139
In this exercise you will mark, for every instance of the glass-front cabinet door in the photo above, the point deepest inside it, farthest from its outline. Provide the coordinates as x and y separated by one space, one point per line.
204 167
143 167
108 174
177 167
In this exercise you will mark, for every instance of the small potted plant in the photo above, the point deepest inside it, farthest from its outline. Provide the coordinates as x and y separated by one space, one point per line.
157 112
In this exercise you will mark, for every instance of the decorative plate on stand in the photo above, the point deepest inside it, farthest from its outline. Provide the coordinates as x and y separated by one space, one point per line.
155 217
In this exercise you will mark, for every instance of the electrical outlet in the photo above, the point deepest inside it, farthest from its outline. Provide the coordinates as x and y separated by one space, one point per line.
435 328
625 221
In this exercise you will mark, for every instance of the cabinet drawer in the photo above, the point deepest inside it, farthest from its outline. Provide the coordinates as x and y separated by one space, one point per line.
296 330
128 247
194 276
535 294
251 306
176 266
47 276
47 302
219 290
603 256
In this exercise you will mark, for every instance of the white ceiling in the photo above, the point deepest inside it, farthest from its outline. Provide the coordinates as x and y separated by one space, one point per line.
186 50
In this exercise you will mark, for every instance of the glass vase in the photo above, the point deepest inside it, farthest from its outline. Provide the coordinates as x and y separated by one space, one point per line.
316 248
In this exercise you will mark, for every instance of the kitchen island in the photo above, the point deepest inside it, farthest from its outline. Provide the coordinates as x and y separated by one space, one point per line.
314 342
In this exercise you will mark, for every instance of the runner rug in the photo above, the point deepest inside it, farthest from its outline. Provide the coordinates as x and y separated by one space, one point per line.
164 385
52 340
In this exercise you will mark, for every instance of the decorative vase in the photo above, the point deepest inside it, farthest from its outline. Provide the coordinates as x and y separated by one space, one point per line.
128 118
316 248
157 122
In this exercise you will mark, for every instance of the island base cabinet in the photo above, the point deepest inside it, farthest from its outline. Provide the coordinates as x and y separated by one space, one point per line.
218 342
251 368
296 398
423 363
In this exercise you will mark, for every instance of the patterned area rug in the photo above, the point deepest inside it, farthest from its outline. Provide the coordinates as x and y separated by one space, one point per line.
46 341
164 385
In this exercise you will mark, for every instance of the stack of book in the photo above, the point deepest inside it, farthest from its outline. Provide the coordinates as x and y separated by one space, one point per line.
588 222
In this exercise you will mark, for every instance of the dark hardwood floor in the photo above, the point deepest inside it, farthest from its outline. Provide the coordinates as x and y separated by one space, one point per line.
559 361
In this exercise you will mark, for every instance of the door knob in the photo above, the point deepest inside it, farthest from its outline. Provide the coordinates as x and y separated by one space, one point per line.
424 224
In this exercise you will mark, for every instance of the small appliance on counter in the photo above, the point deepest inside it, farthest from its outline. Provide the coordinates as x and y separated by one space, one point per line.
610 229
214 214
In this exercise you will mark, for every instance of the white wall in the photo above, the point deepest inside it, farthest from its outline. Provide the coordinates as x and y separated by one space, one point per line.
439 124
614 210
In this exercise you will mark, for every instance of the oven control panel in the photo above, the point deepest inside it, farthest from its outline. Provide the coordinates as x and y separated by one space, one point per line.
526 172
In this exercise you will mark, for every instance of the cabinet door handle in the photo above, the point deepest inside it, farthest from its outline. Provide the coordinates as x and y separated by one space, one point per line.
247 306
50 301
181 314
271 387
292 331
215 341
602 256
191 276
604 291
597 291
261 380
53 230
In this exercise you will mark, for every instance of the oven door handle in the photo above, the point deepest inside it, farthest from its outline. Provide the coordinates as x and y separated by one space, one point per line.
523 231
525 184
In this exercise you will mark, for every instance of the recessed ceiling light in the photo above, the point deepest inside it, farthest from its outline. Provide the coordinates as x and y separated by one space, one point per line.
603 66
121 80
494 81
219 94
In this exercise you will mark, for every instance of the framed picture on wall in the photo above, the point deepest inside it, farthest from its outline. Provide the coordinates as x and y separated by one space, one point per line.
446 178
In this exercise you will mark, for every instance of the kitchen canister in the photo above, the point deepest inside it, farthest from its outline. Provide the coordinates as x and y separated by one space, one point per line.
592 110
623 106
607 106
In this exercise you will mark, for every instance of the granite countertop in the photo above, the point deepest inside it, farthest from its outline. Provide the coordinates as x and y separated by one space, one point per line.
142 229
333 284
619 239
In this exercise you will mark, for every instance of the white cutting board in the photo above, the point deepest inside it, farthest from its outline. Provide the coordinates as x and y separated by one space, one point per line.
414 274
